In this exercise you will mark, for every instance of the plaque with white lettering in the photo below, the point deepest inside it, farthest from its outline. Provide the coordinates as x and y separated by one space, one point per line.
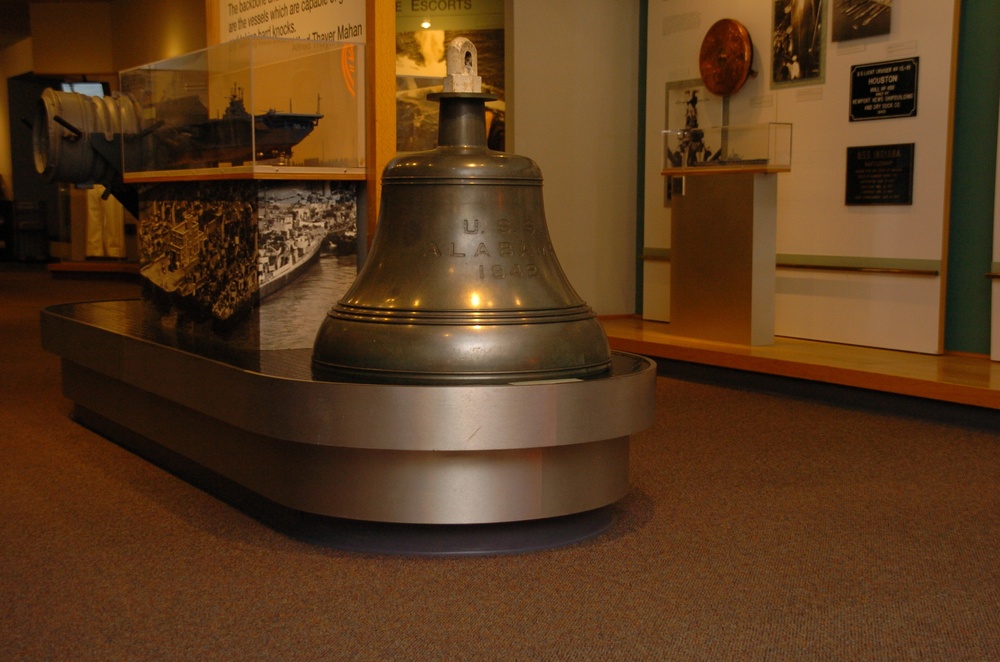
880 175
884 90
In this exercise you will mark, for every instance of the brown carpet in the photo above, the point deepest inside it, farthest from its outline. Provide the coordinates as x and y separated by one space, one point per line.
764 523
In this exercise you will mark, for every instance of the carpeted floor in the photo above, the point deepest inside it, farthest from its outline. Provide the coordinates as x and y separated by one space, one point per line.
768 520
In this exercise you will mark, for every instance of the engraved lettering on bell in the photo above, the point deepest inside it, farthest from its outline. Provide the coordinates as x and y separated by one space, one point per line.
461 284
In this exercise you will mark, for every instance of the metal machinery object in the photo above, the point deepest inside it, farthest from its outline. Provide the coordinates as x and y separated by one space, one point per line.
78 139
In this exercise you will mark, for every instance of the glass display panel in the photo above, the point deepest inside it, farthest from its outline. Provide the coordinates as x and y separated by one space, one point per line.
734 146
255 105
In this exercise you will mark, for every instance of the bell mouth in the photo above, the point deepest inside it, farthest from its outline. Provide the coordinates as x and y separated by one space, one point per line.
352 374
345 311
447 348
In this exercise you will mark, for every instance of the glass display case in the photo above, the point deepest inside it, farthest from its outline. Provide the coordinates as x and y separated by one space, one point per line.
765 147
254 106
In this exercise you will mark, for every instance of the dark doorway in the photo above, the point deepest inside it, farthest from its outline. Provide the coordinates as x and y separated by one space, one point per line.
36 202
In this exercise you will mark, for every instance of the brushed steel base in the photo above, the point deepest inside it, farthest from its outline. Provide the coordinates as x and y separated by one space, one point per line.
359 535
402 454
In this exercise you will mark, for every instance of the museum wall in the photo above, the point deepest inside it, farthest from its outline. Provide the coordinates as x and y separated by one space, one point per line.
106 37
71 38
573 101
813 222
151 30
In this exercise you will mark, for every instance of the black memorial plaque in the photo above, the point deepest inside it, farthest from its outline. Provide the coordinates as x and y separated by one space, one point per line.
880 175
884 90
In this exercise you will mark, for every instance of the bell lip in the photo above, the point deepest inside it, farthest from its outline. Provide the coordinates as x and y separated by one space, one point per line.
460 317
328 371
476 353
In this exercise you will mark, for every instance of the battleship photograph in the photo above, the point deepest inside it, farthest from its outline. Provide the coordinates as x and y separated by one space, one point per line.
298 223
217 251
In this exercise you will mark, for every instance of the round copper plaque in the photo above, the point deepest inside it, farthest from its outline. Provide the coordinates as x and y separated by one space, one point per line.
725 58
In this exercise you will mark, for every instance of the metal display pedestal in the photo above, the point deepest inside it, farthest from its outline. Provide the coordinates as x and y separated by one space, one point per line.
723 235
378 467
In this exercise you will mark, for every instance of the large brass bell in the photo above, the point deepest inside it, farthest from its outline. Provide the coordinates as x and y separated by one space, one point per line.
462 284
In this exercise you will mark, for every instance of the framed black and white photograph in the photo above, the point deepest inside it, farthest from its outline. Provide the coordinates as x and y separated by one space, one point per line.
858 19
690 109
798 52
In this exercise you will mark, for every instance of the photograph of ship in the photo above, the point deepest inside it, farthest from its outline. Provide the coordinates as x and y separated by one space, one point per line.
197 247
216 250
307 258
797 53
297 223
690 148
183 135
691 109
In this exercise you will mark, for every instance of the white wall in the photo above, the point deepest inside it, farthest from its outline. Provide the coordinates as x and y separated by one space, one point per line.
71 38
900 312
151 30
572 99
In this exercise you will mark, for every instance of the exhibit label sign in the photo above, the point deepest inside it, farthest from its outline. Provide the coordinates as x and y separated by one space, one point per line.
325 20
884 89
880 175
